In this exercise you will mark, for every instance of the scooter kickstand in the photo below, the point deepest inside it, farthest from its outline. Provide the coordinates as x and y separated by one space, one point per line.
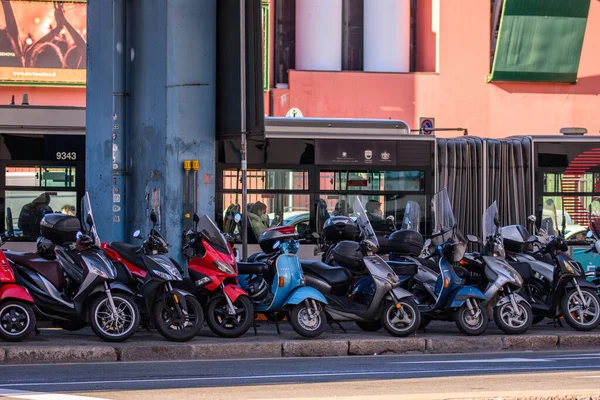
340 325
37 330
276 323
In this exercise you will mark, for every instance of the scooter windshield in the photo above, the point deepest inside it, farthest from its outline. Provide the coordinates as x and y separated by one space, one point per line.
412 216
594 217
364 223
489 222
212 234
87 219
443 216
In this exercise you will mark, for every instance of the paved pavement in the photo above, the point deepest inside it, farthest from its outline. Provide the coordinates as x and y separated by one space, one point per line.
540 374
56 346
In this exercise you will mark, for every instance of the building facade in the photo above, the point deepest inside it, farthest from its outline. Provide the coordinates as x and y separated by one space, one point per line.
494 67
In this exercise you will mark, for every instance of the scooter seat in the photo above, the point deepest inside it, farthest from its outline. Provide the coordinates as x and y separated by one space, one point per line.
128 253
257 257
334 275
50 270
524 269
403 267
252 268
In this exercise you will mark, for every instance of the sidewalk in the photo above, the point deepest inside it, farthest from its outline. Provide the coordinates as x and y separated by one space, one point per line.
57 346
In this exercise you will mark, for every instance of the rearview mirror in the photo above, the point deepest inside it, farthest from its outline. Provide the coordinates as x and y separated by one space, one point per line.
532 218
237 218
137 234
390 218
532 239
315 235
276 245
589 235
153 217
427 243
196 218
473 238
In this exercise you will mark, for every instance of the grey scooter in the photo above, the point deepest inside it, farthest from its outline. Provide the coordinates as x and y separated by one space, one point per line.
372 300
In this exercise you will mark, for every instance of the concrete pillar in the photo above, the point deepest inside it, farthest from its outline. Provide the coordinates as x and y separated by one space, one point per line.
98 173
171 47
319 35
387 36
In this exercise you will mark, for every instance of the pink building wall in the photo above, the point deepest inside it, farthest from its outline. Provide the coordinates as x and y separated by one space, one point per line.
458 95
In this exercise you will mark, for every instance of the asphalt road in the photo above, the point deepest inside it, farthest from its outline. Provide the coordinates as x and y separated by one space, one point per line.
233 378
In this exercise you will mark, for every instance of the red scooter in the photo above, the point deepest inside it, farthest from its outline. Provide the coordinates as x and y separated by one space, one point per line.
214 276
17 319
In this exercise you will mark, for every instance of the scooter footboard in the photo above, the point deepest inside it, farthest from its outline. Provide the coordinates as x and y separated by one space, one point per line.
458 298
305 292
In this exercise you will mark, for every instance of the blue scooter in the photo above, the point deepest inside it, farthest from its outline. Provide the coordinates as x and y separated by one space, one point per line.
442 294
278 285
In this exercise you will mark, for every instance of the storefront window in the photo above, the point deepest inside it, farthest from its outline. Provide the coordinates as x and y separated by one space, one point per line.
259 179
40 176
407 181
378 208
25 210
268 210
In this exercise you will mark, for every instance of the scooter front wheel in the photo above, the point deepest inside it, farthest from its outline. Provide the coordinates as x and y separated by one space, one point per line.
111 327
402 318
17 320
225 324
175 327
511 321
469 324
307 321
582 314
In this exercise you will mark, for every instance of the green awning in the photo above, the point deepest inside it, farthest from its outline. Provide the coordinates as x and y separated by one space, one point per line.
540 40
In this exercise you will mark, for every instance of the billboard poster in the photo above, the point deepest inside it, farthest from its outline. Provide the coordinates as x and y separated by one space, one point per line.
43 42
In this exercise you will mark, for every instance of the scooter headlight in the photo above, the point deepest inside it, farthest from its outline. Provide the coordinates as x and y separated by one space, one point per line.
164 276
224 267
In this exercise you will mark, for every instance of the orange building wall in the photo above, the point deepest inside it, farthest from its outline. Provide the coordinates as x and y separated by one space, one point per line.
457 96
44 96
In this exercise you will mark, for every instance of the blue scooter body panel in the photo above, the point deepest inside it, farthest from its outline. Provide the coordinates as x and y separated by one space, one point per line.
305 292
459 296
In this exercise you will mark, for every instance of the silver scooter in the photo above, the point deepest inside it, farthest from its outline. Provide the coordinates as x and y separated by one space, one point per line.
511 312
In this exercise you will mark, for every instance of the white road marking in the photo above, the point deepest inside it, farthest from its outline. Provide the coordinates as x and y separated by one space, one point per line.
19 394
307 375
493 360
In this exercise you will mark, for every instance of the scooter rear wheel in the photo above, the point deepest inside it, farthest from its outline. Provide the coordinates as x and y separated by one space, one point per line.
467 323
403 322
225 325
17 320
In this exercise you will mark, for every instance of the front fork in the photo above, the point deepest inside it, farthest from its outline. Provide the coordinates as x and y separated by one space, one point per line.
230 306
180 311
579 292
312 308
111 302
473 307
516 309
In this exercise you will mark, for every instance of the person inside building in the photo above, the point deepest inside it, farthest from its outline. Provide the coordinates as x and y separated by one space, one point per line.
342 208
32 213
68 209
256 220
375 215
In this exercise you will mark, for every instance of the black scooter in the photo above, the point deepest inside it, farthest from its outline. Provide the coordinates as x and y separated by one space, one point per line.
77 284
565 293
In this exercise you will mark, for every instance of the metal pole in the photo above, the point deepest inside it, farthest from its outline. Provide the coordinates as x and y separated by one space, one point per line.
243 128
119 168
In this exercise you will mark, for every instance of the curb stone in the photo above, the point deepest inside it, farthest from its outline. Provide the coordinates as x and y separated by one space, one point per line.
315 348
236 350
528 342
52 354
578 341
386 346
464 344
155 353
